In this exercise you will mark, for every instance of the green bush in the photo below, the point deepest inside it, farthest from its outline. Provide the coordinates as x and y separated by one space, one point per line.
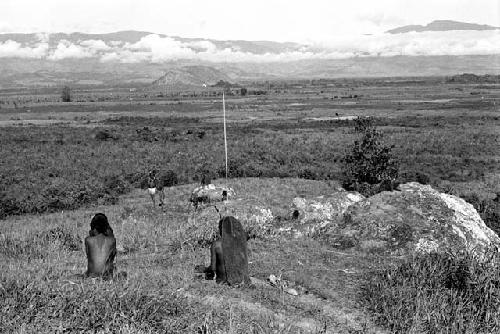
370 166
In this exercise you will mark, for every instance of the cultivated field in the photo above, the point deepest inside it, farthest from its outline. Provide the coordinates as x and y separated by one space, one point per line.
62 162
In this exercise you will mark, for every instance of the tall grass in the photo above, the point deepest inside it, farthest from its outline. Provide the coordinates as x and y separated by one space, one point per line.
436 293
84 307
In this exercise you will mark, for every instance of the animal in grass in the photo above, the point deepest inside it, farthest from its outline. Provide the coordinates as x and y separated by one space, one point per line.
100 247
155 185
228 254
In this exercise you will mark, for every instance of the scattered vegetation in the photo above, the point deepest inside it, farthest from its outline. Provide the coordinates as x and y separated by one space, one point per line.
74 167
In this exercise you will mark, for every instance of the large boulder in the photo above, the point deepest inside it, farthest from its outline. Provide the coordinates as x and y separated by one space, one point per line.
309 216
417 218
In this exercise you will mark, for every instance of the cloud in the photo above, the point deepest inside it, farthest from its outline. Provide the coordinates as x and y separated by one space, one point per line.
95 45
156 49
11 48
126 56
66 49
432 43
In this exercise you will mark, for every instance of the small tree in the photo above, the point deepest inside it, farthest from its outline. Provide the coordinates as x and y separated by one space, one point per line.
369 167
168 178
66 94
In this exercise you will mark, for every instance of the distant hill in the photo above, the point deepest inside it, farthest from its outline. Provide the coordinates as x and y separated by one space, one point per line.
140 58
441 25
472 78
190 76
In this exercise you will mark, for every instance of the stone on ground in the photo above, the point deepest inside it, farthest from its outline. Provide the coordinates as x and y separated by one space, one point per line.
417 218
309 216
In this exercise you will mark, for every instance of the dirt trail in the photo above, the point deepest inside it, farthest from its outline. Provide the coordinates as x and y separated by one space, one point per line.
341 320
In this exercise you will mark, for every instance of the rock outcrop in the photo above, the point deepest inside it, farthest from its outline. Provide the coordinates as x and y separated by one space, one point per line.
256 219
210 193
417 218
309 216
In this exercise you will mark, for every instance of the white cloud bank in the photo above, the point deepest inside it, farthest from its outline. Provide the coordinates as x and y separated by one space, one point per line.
14 49
157 49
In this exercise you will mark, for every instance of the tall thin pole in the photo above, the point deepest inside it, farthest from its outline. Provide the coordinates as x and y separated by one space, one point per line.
225 138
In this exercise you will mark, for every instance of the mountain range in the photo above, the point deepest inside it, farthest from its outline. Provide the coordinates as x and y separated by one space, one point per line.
442 25
132 58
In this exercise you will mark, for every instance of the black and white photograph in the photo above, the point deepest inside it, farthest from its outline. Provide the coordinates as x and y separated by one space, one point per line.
250 167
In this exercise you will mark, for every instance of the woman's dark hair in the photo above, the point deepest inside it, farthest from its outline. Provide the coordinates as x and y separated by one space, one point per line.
100 224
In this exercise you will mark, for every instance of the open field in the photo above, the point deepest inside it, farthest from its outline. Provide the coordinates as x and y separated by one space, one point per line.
447 132
62 162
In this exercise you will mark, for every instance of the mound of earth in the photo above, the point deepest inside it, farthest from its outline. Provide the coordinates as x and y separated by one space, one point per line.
417 218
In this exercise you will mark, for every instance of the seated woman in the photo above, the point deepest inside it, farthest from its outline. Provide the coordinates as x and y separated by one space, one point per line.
228 254
100 247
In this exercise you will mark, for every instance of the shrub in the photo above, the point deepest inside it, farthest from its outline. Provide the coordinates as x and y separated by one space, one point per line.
115 185
414 176
205 173
307 174
369 167
66 94
103 135
436 293
168 178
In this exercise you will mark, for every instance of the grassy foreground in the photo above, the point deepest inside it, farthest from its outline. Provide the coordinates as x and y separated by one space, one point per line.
340 291
41 256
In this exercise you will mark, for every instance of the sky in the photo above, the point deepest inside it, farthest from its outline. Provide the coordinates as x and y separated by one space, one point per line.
311 21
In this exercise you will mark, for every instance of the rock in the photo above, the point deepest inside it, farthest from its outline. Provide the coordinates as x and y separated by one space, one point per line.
256 219
417 218
210 193
311 215
292 292
273 279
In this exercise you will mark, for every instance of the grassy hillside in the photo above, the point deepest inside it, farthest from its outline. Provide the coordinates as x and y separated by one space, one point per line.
41 254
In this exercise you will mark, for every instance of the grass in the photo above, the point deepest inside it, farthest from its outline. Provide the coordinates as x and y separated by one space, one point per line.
53 179
67 165
436 293
162 292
